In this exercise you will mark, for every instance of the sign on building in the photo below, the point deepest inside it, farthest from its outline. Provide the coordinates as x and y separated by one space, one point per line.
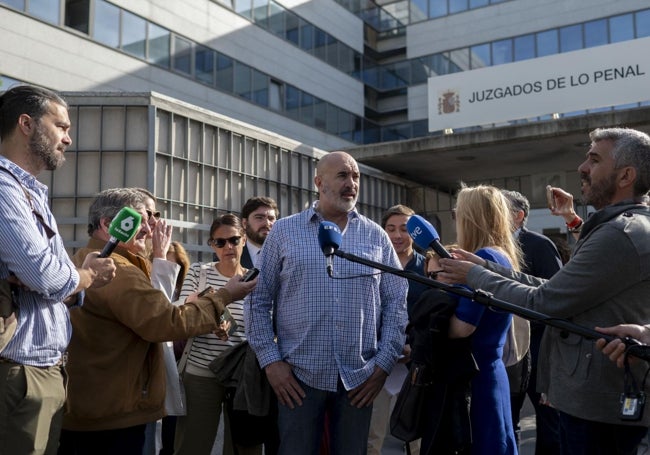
601 76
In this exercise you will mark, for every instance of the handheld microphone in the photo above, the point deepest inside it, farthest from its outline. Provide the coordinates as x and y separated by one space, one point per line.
329 238
425 235
123 228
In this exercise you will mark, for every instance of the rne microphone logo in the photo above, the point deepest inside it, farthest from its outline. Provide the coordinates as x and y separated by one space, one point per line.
416 232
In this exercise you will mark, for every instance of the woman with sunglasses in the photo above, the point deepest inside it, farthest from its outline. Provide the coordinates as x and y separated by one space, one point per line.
483 225
205 398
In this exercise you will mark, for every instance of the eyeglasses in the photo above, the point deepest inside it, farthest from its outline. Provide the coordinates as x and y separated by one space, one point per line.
220 243
150 214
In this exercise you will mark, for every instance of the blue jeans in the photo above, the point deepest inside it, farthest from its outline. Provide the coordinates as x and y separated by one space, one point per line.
301 428
585 437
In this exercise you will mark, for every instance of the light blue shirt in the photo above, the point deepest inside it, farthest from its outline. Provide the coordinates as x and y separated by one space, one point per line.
41 264
327 328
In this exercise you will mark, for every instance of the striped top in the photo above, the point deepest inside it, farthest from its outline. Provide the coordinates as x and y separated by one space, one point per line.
41 264
206 347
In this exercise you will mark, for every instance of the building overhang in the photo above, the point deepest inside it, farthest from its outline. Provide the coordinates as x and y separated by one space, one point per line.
496 153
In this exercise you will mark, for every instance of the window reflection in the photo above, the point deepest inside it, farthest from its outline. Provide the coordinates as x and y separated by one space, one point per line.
133 34
106 23
182 58
159 44
48 10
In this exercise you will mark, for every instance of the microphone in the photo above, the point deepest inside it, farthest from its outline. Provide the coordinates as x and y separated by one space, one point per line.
425 236
123 228
329 238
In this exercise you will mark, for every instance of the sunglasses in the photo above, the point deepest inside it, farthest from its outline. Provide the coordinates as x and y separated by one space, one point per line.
220 243
434 275
150 214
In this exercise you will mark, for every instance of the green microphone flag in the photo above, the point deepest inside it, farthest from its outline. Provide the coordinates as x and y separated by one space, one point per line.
122 229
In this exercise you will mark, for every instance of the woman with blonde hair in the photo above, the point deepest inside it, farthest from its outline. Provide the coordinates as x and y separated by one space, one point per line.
483 225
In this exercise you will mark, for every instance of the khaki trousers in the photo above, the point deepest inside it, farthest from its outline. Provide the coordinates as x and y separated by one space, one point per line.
31 408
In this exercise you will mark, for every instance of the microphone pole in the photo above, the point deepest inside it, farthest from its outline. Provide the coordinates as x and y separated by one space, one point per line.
485 298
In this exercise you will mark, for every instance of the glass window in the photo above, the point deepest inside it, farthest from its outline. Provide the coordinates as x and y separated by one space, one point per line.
320 43
260 12
306 109
275 95
243 80
418 10
440 64
547 43
293 27
320 113
459 60
481 56
225 73
346 59
182 57
437 8
643 23
346 125
77 14
204 64
134 34
276 19
501 52
621 28
106 23
596 33
17 4
419 70
571 38
332 119
48 10
456 6
524 47
292 101
260 88
333 52
159 43
306 36
477 3
243 8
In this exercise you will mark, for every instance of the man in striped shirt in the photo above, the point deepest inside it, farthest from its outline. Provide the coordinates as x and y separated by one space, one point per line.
337 339
34 130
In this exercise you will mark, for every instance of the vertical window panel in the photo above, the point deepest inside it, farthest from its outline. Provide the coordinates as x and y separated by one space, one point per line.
547 43
225 73
134 34
48 10
182 58
106 23
524 47
204 64
158 50
571 38
621 28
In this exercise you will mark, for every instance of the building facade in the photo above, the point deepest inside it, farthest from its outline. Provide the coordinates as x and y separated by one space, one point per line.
303 78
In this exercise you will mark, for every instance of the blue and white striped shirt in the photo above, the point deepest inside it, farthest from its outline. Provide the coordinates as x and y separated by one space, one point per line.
41 264
327 328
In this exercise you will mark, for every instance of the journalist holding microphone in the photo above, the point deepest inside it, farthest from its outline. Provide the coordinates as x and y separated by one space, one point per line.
605 283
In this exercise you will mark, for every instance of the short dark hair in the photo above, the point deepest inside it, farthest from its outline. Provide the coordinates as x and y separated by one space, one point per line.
109 202
227 219
256 202
517 202
25 99
398 209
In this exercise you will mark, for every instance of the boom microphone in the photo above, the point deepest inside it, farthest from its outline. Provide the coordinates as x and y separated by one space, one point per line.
329 238
123 228
425 235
